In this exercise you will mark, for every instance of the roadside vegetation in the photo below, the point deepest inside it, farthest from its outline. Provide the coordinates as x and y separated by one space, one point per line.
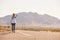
8 28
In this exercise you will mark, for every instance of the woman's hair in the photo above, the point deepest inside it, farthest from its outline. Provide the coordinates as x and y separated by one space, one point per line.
13 15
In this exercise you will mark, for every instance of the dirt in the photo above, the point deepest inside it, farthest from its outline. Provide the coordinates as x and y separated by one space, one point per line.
29 35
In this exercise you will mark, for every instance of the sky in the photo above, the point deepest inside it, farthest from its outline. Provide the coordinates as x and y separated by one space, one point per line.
51 7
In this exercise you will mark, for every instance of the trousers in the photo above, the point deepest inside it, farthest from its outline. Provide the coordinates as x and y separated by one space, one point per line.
13 27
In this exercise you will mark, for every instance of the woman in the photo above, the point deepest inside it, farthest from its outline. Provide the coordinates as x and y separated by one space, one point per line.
13 23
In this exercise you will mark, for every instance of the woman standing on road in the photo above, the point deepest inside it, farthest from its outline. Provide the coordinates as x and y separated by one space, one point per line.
13 23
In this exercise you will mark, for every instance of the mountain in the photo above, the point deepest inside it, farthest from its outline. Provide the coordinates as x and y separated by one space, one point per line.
30 18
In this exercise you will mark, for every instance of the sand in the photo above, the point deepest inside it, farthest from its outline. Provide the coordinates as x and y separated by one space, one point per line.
29 35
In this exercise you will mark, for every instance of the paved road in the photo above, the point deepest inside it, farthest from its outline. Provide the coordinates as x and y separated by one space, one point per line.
30 35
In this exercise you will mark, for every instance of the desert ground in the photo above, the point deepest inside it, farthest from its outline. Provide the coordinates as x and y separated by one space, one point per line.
29 35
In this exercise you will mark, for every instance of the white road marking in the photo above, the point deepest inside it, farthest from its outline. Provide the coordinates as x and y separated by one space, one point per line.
25 34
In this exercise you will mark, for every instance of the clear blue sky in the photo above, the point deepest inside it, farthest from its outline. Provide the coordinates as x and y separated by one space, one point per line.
51 7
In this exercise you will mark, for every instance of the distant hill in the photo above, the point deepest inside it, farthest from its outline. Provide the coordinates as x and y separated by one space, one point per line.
30 18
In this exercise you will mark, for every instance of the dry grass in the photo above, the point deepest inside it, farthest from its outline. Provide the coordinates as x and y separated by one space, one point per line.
32 29
8 28
5 28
